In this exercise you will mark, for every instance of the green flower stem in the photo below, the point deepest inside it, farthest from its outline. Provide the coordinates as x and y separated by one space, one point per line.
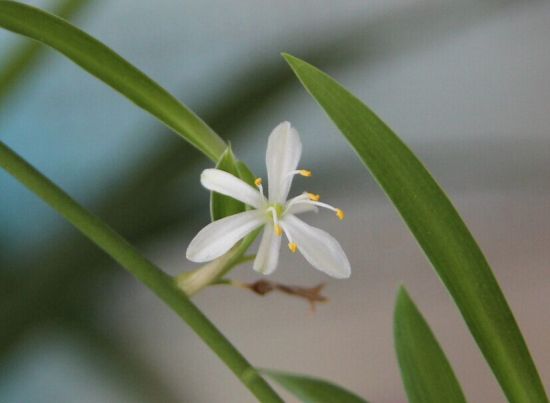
237 259
191 282
245 259
144 270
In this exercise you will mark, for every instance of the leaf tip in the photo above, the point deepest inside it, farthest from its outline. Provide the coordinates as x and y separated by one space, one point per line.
286 55
292 60
403 302
402 294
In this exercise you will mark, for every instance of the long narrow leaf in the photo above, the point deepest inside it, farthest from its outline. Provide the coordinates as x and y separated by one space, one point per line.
105 64
439 230
426 373
313 390
139 266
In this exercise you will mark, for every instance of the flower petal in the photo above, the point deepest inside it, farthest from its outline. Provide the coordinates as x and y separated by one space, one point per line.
223 182
319 248
218 237
284 149
268 252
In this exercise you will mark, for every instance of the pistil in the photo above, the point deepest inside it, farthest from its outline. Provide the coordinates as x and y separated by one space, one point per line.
274 215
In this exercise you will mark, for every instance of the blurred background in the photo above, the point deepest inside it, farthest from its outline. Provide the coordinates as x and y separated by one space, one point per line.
465 84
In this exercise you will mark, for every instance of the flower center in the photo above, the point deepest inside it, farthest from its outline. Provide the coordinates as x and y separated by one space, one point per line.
274 213
279 209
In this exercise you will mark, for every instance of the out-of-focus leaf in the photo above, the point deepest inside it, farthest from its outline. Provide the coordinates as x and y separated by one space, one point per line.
426 373
23 57
108 66
222 206
439 230
312 390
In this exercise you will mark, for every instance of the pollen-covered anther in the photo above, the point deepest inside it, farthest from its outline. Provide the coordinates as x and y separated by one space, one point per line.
278 230
258 181
293 247
313 196
305 172
340 214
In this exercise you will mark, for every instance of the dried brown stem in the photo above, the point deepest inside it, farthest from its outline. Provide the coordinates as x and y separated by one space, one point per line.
311 294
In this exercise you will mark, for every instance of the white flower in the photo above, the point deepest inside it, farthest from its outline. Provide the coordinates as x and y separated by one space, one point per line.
275 213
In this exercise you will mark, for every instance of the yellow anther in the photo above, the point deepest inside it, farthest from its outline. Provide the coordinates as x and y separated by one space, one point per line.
293 247
304 172
313 196
340 214
278 230
258 182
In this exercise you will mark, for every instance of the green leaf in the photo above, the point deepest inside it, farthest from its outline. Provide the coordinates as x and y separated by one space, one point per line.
439 230
312 390
245 173
426 373
222 206
163 285
102 62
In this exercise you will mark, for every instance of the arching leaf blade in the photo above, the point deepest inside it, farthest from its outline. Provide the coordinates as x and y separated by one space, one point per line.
439 230
108 66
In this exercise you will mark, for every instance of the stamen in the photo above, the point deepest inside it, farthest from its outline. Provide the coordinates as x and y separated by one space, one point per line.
293 246
312 200
298 199
303 172
278 230
313 196
258 183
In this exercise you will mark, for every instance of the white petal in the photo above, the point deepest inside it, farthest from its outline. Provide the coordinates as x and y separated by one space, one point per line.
218 237
300 208
223 182
319 248
268 252
284 149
